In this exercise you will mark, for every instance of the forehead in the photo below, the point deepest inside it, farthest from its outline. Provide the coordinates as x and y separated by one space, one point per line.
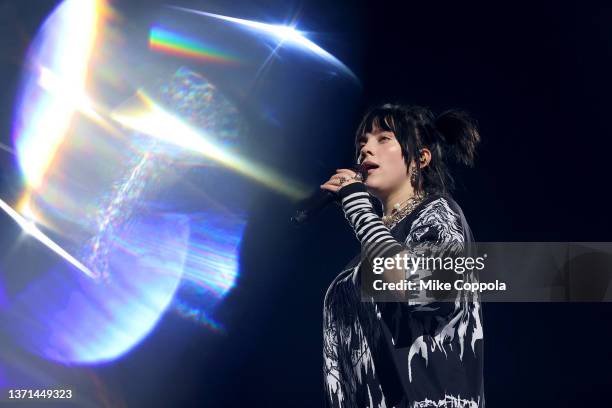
376 131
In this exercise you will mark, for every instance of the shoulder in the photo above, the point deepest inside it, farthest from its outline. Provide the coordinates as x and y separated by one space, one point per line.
437 209
439 219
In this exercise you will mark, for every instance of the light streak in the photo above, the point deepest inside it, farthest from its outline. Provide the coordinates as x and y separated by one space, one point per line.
286 35
146 117
170 42
45 118
31 229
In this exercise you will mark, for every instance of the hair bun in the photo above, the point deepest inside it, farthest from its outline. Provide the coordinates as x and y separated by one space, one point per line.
460 131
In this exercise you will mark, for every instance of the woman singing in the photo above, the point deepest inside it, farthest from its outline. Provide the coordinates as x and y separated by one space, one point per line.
415 351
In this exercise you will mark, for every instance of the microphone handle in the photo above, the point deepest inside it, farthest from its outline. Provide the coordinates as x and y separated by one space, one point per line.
320 200
301 216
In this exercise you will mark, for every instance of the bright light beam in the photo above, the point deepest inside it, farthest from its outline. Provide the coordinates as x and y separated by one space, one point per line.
284 34
150 119
42 124
70 95
31 229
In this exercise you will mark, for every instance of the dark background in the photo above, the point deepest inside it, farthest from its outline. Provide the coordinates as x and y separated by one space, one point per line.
537 78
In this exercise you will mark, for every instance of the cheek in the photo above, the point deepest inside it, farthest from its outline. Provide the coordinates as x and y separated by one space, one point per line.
395 160
394 169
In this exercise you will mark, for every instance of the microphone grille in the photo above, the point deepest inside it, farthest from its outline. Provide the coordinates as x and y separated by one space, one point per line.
361 169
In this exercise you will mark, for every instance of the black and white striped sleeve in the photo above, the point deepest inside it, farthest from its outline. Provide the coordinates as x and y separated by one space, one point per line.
376 239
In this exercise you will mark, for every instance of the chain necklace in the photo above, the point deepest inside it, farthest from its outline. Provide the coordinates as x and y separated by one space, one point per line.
401 210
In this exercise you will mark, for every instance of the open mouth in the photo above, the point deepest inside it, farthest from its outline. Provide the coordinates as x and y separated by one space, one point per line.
370 167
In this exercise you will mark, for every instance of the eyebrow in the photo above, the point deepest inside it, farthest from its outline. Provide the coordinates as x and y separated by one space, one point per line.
363 137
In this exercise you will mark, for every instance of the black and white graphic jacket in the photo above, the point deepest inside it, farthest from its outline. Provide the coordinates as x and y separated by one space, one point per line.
423 353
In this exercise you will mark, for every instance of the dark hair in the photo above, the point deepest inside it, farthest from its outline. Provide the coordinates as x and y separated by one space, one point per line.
451 136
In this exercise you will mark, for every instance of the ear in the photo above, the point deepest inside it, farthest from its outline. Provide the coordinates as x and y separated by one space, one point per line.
425 157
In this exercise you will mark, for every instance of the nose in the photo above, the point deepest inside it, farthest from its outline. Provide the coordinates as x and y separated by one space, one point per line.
365 152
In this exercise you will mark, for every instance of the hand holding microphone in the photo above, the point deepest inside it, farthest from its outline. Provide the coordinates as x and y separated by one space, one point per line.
343 177
321 199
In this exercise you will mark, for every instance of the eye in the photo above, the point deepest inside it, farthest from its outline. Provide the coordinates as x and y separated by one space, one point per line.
383 139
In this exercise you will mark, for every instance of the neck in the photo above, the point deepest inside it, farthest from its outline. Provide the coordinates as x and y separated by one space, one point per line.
400 195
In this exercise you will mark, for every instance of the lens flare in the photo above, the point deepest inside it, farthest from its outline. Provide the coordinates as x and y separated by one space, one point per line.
212 263
88 184
211 267
41 127
69 319
31 229
201 104
136 182
173 43
144 115
68 94
285 36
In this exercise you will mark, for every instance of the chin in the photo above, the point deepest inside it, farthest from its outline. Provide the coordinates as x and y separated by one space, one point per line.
373 187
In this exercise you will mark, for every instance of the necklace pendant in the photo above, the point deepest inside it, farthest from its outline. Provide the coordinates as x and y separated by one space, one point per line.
399 211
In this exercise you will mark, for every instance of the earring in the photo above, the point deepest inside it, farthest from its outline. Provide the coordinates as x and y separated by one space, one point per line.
413 176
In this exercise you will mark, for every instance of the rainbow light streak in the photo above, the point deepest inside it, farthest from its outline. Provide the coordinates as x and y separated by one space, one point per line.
166 41
197 315
30 228
212 260
285 35
150 119
67 40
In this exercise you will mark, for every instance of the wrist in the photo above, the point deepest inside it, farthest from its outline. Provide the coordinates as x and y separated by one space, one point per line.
355 202
347 190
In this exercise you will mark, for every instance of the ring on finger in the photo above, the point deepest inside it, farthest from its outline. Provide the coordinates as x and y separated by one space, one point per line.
342 180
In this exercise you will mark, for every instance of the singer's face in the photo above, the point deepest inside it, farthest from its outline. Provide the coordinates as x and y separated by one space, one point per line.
381 153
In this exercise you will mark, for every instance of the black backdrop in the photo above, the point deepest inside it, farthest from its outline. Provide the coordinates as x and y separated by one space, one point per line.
535 75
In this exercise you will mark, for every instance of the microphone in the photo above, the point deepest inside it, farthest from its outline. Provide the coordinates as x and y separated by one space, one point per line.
321 199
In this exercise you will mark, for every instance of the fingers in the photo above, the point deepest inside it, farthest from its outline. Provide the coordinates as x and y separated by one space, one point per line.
347 172
330 187
342 178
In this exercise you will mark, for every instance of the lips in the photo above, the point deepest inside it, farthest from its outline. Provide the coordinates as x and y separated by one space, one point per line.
370 166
